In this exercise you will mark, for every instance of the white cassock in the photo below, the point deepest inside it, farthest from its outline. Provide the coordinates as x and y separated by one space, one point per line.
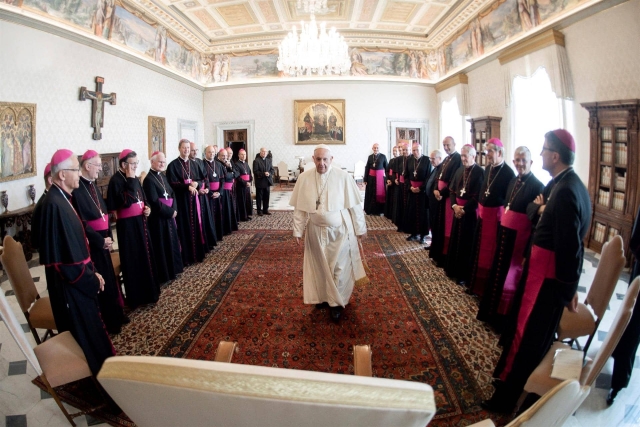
332 262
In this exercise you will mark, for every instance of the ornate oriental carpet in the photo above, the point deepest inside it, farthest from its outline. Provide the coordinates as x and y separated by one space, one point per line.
420 324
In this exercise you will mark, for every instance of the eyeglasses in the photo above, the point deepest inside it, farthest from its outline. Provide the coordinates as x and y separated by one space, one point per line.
547 149
97 165
133 164
72 170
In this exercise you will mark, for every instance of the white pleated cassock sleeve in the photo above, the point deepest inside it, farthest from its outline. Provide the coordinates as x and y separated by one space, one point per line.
332 261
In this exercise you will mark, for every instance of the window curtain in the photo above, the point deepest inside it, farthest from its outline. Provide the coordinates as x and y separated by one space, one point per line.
553 58
461 93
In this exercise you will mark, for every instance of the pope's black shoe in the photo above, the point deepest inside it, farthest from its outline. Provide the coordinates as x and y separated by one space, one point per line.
322 305
335 313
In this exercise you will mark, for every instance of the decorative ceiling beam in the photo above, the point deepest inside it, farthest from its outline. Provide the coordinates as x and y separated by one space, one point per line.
525 47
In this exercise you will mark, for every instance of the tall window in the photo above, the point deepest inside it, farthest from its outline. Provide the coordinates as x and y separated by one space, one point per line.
535 111
452 123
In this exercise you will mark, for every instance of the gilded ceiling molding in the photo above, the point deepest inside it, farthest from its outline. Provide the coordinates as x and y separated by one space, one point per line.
451 82
527 46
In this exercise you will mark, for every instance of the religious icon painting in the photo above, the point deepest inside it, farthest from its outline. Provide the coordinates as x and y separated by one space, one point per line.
17 141
319 121
157 134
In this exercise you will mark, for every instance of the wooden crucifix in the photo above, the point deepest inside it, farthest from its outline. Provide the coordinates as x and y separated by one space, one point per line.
97 105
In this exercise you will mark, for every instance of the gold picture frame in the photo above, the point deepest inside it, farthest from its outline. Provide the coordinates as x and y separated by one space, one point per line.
157 135
319 121
17 141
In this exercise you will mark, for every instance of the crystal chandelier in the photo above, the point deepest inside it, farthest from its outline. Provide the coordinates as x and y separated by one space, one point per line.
313 50
312 6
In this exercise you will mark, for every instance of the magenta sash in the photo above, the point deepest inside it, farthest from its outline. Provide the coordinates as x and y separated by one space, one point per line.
491 217
227 186
214 185
521 224
542 265
135 209
390 171
401 179
448 218
460 202
99 224
199 211
416 184
379 174
166 202
246 177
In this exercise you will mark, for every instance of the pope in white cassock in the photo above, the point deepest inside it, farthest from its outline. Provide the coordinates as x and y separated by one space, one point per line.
327 201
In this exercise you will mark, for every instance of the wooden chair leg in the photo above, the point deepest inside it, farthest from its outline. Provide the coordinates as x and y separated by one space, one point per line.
53 393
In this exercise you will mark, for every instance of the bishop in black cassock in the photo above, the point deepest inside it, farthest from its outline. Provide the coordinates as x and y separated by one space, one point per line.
432 184
126 198
72 281
441 233
390 178
92 209
497 176
183 174
227 178
374 175
416 173
551 273
465 191
242 171
213 170
514 235
162 220
208 222
401 189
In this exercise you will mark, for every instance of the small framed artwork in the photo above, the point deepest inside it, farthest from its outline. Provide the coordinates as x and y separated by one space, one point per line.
17 141
319 121
157 135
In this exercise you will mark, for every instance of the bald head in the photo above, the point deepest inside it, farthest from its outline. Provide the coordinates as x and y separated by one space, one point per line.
193 153
210 152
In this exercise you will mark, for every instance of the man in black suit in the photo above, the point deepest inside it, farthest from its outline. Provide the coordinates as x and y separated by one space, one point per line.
263 174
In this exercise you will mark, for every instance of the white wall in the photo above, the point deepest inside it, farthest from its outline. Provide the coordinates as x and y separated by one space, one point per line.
367 108
37 67
604 67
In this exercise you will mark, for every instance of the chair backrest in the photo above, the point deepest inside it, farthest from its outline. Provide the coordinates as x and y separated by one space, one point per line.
619 324
283 170
609 268
358 169
142 176
18 271
164 391
555 407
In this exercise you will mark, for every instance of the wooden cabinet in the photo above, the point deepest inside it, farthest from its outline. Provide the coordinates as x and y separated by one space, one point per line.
482 130
614 170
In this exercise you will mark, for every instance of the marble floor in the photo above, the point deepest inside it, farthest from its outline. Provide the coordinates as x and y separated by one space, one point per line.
23 404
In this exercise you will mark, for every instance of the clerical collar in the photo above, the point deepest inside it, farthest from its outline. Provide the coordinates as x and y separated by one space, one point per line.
87 179
64 193
560 175
153 170
495 166
184 160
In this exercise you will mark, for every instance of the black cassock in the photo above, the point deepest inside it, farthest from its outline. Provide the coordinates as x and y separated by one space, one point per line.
550 281
36 217
92 209
374 175
162 226
465 190
191 230
399 193
126 197
434 208
439 238
390 176
244 205
514 237
71 281
213 170
417 210
491 206
208 221
227 177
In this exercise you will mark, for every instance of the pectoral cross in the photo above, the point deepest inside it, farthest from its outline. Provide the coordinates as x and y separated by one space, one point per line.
97 105
462 192
139 202
415 173
165 194
440 177
507 209
102 215
486 193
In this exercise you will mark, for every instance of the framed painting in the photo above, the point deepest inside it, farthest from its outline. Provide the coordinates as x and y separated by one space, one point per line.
319 121
157 135
17 141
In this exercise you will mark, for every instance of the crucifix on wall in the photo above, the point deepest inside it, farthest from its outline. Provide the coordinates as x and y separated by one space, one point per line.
97 105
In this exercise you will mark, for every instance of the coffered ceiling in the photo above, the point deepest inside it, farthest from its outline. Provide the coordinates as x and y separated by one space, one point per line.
240 25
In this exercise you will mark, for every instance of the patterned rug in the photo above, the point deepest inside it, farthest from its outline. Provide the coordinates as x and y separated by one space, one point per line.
420 324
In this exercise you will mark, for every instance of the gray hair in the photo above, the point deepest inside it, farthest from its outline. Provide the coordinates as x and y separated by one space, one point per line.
437 153
65 164
469 149
523 150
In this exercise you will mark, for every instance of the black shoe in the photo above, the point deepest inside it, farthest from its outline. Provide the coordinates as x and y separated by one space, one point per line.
461 283
259 213
493 406
126 320
613 393
423 240
267 213
426 248
249 218
322 305
413 238
114 331
335 313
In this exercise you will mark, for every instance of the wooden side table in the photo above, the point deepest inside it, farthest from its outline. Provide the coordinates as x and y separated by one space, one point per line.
22 219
